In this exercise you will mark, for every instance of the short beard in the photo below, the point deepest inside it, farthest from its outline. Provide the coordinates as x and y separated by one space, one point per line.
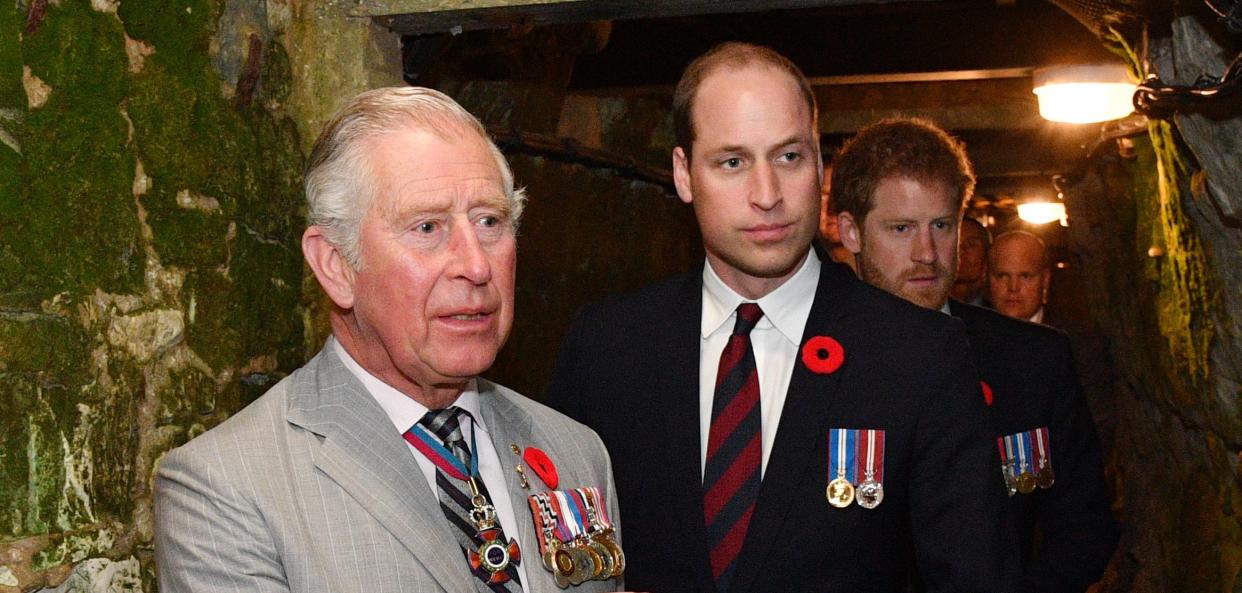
874 276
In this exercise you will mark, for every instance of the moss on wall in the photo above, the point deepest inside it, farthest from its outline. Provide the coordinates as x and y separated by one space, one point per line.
151 284
1186 296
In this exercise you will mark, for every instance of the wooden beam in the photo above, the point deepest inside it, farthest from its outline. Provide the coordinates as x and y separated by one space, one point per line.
456 16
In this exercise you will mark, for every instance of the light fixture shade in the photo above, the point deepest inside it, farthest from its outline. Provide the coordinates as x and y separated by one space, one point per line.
1042 212
1084 94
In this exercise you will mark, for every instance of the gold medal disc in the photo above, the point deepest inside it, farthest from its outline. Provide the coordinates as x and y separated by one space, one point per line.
563 560
840 493
605 560
1026 482
549 559
583 567
618 556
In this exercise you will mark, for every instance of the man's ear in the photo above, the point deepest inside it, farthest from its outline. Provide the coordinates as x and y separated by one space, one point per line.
851 232
1047 284
334 273
681 175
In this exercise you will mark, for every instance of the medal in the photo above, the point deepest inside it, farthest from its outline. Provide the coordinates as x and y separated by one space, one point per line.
585 566
1006 453
1026 480
1044 476
871 492
601 560
545 524
602 533
841 444
493 555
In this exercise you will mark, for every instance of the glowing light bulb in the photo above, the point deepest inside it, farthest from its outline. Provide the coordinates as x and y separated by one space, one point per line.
1085 93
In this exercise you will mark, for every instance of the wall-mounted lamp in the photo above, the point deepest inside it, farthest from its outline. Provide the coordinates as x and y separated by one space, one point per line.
1042 212
1084 93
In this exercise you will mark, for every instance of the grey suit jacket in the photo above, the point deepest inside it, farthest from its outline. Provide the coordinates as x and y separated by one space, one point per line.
311 489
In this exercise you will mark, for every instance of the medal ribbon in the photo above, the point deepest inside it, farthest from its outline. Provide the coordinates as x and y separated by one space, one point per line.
1000 445
875 455
1041 437
572 518
1009 459
563 530
583 510
430 446
1024 445
596 504
541 520
844 445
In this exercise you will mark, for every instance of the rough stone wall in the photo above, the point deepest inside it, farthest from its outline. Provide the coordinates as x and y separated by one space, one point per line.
150 276
1161 259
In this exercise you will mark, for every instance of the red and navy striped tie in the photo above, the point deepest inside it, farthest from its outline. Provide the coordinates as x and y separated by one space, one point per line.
734 449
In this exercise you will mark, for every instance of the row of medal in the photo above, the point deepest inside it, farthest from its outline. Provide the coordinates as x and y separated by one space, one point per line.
855 467
578 543
1026 460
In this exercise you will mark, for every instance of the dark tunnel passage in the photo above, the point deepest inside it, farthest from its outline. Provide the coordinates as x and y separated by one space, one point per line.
151 282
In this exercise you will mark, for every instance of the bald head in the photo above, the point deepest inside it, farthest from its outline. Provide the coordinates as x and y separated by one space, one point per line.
1018 274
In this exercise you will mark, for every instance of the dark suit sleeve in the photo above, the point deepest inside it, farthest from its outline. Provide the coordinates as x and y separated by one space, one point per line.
956 492
1077 528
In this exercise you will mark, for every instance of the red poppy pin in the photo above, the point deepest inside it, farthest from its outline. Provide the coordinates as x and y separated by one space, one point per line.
987 392
823 355
542 466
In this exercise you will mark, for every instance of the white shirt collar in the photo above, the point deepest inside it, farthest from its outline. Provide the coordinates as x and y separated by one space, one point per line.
402 410
1038 317
945 308
786 308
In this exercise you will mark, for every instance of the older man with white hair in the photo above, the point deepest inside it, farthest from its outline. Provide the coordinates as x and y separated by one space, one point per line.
386 464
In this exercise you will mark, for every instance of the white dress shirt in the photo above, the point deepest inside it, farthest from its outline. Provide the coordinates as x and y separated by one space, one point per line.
776 340
405 412
1038 317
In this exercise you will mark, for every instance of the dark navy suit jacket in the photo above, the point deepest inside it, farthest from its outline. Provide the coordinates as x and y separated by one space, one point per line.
1066 533
629 369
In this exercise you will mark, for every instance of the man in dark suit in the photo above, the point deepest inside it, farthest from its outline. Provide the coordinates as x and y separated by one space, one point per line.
775 424
901 187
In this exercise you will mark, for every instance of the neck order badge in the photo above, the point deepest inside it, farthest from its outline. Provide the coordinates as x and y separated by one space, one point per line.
491 554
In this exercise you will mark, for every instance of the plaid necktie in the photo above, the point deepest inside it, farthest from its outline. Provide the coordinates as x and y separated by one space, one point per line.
734 448
455 497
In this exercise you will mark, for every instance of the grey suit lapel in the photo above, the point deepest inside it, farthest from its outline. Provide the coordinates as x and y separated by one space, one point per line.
510 425
364 455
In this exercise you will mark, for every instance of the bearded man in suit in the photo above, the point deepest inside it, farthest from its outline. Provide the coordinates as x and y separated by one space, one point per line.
901 187
382 464
775 423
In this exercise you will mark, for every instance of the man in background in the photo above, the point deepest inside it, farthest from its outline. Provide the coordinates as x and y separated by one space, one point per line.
901 187
971 283
1018 275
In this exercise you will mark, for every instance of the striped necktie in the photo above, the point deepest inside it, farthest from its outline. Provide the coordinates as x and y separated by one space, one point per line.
455 497
734 448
